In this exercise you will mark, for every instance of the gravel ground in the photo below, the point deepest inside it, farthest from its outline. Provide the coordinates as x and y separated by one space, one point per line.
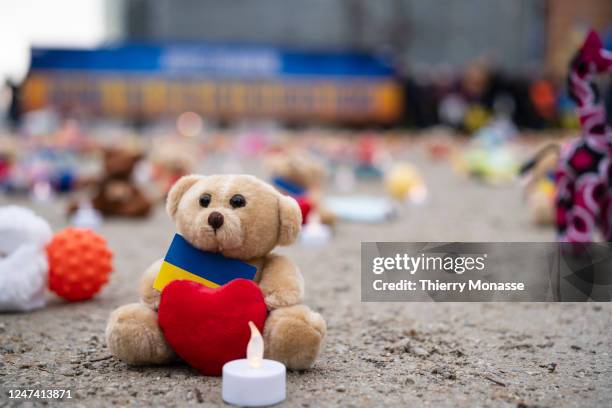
393 354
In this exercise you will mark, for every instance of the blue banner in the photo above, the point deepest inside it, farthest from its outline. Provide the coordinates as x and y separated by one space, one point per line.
210 60
218 81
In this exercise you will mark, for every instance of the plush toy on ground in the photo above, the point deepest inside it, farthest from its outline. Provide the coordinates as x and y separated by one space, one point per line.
23 262
405 184
116 194
368 163
7 161
495 165
74 264
540 184
234 222
80 263
299 175
170 160
584 197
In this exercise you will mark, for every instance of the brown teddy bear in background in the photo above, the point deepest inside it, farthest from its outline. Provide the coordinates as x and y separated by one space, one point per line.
300 175
115 193
242 218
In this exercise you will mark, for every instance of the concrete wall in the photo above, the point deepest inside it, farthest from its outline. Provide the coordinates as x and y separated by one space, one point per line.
511 32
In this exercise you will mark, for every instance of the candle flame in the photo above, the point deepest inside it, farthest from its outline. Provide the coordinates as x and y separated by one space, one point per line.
255 348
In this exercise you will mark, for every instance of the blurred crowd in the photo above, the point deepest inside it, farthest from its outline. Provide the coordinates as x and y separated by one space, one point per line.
466 100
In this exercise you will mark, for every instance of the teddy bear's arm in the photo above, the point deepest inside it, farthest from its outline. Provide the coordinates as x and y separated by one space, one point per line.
149 296
281 282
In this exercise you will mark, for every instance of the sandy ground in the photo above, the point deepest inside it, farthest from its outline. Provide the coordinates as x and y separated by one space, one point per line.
394 354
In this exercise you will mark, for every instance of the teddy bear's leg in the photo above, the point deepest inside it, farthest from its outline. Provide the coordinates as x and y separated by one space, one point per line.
293 335
136 206
133 336
139 206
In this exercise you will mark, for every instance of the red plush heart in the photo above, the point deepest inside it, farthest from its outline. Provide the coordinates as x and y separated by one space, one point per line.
209 327
305 207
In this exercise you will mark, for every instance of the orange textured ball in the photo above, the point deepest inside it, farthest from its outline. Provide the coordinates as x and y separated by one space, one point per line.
80 263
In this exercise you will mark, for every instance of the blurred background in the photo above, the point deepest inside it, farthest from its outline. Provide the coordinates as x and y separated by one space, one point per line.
345 62
363 87
386 120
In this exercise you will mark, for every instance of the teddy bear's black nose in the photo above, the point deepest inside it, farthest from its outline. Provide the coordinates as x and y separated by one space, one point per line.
215 220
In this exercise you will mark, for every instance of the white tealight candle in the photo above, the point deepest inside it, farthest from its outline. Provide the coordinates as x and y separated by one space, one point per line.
254 381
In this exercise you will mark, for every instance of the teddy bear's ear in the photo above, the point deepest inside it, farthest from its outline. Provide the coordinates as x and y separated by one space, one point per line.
176 192
290 220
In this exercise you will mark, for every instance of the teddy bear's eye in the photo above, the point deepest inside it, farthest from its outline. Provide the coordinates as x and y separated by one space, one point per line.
205 200
237 201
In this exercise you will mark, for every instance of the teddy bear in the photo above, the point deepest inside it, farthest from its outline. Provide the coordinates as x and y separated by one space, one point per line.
115 193
170 159
242 218
298 174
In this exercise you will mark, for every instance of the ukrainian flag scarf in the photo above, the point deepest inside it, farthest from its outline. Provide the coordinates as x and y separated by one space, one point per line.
184 261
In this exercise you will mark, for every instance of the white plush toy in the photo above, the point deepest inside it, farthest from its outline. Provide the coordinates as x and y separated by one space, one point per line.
23 260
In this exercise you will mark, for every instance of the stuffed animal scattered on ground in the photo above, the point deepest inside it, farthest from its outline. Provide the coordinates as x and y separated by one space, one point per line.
405 184
584 197
170 160
23 261
367 155
75 263
7 161
540 184
235 221
300 175
116 193
491 166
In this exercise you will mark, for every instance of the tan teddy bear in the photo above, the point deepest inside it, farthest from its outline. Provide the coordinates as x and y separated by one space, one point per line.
242 218
299 174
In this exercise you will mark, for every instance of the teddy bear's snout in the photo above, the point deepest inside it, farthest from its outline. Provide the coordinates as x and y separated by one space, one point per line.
215 220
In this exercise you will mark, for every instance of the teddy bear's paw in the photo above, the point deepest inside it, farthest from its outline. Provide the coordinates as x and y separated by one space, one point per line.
149 296
133 336
283 298
294 335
